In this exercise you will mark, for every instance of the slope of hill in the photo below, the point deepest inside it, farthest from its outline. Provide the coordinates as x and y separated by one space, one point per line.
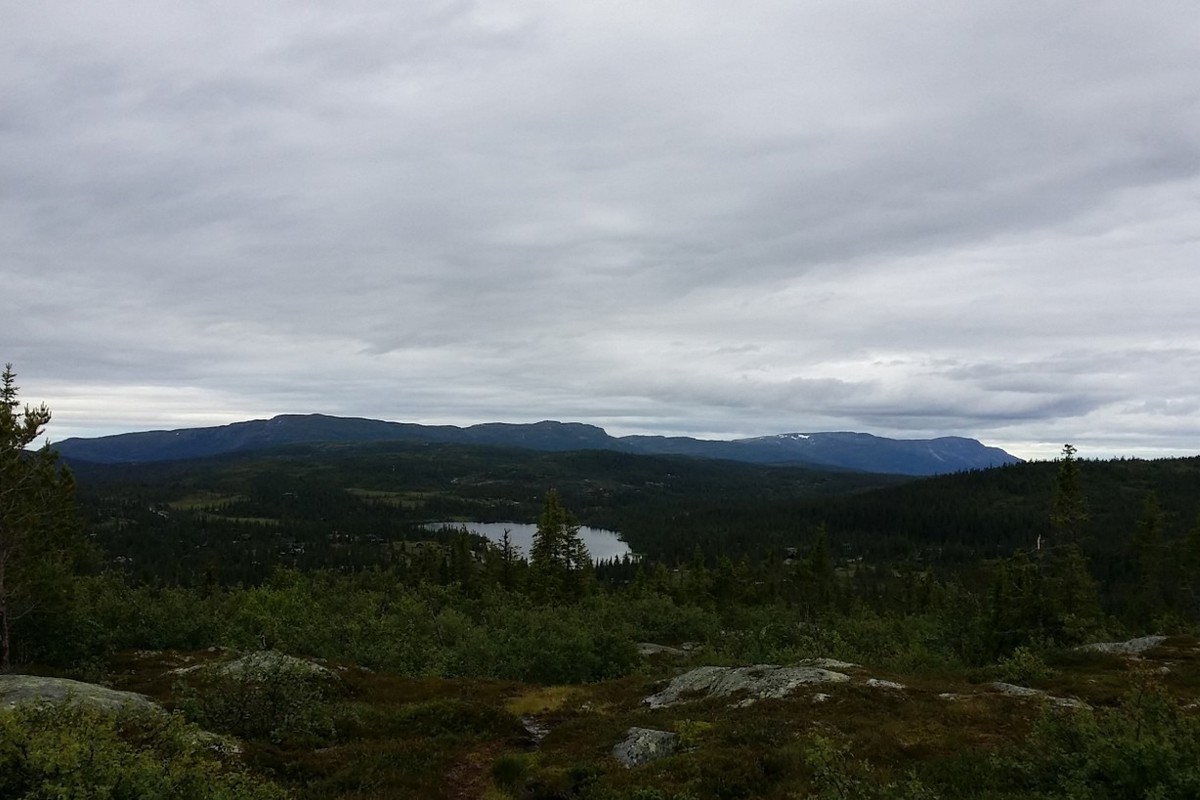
860 451
857 451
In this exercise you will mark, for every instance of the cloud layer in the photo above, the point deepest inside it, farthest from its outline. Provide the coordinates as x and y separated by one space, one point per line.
909 219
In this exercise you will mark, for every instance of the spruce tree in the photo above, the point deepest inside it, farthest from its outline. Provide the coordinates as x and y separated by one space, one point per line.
39 534
559 560
1068 511
1147 552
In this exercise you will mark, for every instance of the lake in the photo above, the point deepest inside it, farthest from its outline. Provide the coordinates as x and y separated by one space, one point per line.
601 544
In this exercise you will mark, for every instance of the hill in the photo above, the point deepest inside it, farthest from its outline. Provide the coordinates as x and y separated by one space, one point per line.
857 451
346 504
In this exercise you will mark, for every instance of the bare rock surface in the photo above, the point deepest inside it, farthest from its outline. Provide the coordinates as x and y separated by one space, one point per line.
827 663
1012 690
16 690
536 729
876 683
760 682
652 649
643 745
260 664
1131 647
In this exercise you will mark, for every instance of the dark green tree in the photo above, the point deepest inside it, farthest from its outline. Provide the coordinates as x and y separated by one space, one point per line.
1068 511
507 560
39 533
820 568
697 582
1187 561
1147 551
559 560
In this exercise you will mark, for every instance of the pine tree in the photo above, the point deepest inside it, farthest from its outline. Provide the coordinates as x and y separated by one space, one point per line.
1147 547
508 561
39 534
1068 511
820 567
1187 561
559 561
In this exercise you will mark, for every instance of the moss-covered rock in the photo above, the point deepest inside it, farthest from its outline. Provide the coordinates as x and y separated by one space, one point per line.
761 681
19 690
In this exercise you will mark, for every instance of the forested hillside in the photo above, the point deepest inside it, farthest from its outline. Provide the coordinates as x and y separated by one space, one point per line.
292 604
347 505
234 518
859 451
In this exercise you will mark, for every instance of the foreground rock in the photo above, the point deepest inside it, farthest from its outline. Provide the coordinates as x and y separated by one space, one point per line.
1013 690
1132 647
652 649
535 729
16 690
643 745
259 665
828 663
759 682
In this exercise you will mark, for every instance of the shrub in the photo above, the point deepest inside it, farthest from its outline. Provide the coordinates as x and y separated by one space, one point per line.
1145 748
275 701
509 771
1023 666
71 750
836 774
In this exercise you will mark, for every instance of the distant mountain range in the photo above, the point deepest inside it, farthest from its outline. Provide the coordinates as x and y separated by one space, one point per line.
856 451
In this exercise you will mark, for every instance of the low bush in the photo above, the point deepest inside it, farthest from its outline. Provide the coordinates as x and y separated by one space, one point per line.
1147 747
71 750
278 703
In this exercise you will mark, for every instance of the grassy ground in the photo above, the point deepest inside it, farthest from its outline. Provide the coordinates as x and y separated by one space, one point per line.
380 736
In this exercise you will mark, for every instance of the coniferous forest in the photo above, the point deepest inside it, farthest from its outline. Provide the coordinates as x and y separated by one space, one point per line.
302 632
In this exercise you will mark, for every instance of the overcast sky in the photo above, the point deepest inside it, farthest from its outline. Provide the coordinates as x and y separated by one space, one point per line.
911 219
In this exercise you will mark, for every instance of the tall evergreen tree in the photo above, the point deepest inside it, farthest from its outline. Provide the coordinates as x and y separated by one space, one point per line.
1147 551
1068 511
1187 561
820 567
39 533
559 560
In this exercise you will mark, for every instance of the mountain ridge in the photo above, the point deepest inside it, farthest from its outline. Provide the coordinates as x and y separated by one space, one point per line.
836 449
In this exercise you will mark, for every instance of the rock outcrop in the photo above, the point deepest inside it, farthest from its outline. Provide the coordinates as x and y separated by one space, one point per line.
652 649
643 745
760 682
828 663
1131 647
260 664
18 690
1012 690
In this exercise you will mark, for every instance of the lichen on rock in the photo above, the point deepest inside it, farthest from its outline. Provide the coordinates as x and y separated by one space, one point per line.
643 745
761 681
18 690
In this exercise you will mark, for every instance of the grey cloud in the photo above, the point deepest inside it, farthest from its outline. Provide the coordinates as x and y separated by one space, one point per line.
921 220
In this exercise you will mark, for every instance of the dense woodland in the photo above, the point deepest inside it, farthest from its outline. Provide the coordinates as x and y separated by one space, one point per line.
319 552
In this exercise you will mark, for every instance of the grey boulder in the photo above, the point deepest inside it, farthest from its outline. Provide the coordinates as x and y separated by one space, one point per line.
761 682
643 745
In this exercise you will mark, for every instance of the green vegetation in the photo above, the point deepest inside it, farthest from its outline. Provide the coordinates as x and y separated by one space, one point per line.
559 561
438 665
70 750
39 537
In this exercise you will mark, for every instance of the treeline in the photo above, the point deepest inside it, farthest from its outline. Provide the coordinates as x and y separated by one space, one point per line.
469 608
231 521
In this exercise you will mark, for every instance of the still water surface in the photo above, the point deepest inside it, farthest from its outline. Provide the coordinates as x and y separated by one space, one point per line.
600 543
